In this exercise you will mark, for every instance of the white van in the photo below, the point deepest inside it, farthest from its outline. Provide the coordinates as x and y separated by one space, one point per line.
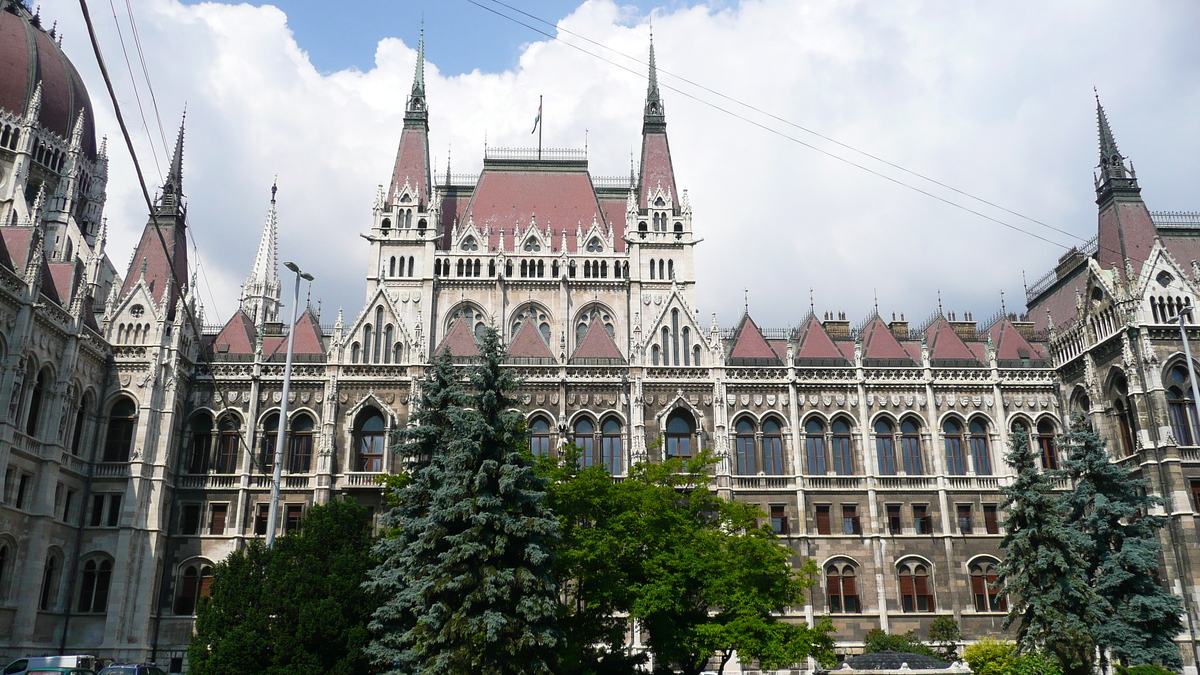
61 664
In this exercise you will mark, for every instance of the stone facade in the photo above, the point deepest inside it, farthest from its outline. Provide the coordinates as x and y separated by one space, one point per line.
138 442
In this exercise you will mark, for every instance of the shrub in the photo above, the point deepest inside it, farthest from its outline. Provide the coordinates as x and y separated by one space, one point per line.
878 641
989 656
1033 664
1144 670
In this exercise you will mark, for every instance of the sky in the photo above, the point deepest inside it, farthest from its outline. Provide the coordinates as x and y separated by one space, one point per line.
992 100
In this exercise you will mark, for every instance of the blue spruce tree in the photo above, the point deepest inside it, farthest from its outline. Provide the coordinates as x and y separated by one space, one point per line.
468 572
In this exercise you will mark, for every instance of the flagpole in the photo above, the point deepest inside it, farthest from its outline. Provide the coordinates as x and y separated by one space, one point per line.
540 125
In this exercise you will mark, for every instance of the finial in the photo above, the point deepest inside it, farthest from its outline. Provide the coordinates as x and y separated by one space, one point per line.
940 302
746 307
812 304
1003 310
876 292
274 187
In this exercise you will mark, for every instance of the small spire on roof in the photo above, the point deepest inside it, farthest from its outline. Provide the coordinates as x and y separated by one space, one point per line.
939 302
812 304
1002 308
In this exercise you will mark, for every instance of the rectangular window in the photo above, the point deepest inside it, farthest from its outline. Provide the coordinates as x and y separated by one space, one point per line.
10 484
886 449
964 519
850 521
216 519
922 521
58 499
893 516
97 510
955 463
23 489
823 519
1196 495
114 510
991 520
293 513
260 518
68 504
779 522
843 461
189 522
816 454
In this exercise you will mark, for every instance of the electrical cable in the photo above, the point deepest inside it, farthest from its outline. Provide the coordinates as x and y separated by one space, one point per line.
137 42
136 95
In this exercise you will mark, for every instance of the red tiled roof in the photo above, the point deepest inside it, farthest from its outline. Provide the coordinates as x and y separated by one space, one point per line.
504 198
879 343
309 335
656 167
979 349
847 350
239 334
1138 235
815 343
529 343
596 344
62 276
945 344
614 213
913 349
16 241
1009 344
452 209
460 341
412 164
1061 302
49 286
1183 249
158 270
749 342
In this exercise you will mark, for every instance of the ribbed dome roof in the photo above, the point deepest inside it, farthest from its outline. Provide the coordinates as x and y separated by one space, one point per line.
893 660
29 55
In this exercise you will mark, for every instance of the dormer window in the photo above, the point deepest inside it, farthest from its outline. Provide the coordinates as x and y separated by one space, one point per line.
532 245
469 244
594 246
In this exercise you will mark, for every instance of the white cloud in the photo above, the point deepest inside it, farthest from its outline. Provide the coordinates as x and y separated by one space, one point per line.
993 99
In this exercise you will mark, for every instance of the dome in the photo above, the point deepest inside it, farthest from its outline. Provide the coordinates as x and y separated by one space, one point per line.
893 660
29 54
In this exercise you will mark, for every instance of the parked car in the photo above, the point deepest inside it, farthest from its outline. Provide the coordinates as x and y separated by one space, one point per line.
30 665
132 669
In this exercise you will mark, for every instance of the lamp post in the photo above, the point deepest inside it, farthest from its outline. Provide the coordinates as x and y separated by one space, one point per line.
281 430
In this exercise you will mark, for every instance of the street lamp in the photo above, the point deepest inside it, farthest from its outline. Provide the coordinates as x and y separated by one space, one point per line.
281 430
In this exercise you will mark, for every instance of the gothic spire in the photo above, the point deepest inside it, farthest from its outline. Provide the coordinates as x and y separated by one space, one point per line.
1108 144
172 190
655 115
262 289
416 99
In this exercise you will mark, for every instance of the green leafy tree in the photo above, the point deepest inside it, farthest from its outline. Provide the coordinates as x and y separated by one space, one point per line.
468 573
1033 663
877 640
1143 670
945 635
297 608
1136 618
693 569
990 656
1045 567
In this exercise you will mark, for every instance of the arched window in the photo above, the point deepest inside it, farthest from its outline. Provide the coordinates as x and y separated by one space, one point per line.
1184 423
266 444
194 582
122 421
93 586
48 598
1126 427
201 444
670 269
378 323
469 244
654 355
437 268
475 272
814 445
679 434
539 437
842 588
366 352
687 348
392 267
594 246
910 447
1045 439
491 268
401 270
885 447
642 226
411 269
695 355
388 337
988 597
6 555
744 440
610 446
300 444
653 271
843 458
354 353
532 245
368 440
585 442
40 387
80 423
554 269
956 464
458 268
915 593
661 271
772 448
979 448
508 269
228 442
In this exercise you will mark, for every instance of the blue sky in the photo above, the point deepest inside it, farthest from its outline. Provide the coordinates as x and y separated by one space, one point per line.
464 37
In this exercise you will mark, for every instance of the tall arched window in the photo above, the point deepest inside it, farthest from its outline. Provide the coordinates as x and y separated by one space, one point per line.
48 598
375 347
392 267
744 441
266 443
1045 439
585 442
366 352
300 444
81 416
228 442
411 271
915 593
653 270
354 353
910 447
122 421
979 448
679 434
956 464
814 444
193 584
93 587
988 597
885 447
40 387
368 440
843 457
610 446
1184 423
6 555
842 588
401 270
1124 410
388 338
654 355
772 448
539 437
200 449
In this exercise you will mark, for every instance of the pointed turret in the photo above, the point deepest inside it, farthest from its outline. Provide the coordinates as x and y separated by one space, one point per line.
262 291
1126 230
412 158
172 189
657 173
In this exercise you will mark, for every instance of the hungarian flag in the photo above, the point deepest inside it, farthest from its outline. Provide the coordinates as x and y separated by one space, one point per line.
537 120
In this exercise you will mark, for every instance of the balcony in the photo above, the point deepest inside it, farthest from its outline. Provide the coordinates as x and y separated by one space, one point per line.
907 482
972 482
73 464
834 482
208 482
366 479
764 482
30 445
112 470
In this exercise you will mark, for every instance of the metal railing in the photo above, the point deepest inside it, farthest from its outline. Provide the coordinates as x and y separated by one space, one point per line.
1175 219
536 154
618 182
